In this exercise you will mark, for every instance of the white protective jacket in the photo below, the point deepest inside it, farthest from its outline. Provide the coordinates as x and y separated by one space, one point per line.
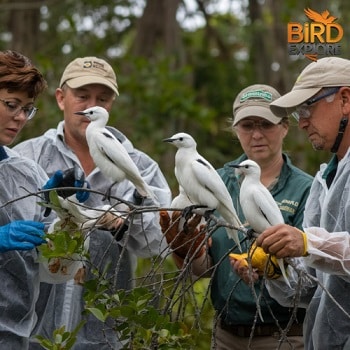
327 224
19 270
62 304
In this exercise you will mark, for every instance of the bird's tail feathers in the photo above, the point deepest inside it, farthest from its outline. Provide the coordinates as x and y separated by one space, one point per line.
146 192
283 271
233 234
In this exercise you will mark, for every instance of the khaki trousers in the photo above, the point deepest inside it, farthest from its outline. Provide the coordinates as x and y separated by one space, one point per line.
224 340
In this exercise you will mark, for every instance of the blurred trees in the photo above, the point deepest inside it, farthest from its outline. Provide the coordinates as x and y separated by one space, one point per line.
179 63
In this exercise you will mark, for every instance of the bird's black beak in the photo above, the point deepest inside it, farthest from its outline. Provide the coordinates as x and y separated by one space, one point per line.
237 166
84 114
168 140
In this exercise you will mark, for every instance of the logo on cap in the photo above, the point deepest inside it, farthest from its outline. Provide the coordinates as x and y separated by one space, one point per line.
87 64
320 37
256 95
93 64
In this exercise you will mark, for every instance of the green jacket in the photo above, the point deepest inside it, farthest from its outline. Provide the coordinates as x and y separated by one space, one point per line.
232 298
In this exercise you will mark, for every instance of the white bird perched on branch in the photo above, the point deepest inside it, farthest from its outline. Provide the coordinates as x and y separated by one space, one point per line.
109 154
258 205
201 182
181 202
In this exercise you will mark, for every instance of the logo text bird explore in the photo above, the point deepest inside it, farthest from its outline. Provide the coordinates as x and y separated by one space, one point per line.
320 37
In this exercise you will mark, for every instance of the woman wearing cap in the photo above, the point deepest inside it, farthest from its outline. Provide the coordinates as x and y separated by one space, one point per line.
261 136
320 99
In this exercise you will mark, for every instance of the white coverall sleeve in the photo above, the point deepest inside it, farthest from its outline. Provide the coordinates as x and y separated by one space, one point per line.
328 252
302 285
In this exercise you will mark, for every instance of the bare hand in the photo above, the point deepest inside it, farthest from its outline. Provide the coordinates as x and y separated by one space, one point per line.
111 221
249 276
282 241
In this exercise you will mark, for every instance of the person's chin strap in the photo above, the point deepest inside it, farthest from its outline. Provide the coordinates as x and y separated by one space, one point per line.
3 154
342 126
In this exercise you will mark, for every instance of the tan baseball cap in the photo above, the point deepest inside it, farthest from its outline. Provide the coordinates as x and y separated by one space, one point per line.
89 70
326 72
254 101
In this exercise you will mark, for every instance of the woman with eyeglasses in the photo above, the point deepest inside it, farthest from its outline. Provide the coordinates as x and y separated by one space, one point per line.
237 324
261 135
21 218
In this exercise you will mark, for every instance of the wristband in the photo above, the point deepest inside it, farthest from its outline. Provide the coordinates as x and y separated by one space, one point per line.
305 253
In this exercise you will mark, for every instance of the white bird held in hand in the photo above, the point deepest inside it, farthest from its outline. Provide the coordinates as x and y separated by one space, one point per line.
258 205
109 154
201 182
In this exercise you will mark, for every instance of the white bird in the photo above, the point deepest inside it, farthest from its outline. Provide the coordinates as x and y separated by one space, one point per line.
76 220
73 220
258 205
181 201
201 182
109 154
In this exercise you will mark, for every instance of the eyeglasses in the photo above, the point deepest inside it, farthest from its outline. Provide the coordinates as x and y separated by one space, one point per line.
303 111
248 126
14 109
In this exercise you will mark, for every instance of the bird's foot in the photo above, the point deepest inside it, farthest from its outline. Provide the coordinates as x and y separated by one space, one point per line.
187 212
192 213
208 213
251 233
138 198
107 195
47 212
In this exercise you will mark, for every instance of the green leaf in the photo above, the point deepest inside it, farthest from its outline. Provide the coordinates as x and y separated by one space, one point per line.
98 314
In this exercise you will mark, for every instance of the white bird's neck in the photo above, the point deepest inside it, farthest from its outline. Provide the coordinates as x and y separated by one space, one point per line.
271 171
80 148
184 154
98 124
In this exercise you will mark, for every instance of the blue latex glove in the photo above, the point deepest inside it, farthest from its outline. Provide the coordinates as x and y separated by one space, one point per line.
82 196
21 235
54 181
73 177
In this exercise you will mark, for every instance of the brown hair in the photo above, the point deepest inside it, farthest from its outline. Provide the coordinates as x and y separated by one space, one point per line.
17 73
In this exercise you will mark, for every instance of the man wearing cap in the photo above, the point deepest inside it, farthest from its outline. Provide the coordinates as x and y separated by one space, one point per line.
320 100
261 136
87 82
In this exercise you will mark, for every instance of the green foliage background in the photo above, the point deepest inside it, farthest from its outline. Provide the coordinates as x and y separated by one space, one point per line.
158 96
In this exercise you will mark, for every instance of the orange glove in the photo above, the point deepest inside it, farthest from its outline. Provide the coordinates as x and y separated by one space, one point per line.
189 239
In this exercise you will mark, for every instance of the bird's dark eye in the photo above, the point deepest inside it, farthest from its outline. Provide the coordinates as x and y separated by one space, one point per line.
246 166
181 138
91 112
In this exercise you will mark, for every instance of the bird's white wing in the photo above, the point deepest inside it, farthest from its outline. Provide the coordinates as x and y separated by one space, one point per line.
115 152
208 178
181 201
217 195
211 180
267 206
261 211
